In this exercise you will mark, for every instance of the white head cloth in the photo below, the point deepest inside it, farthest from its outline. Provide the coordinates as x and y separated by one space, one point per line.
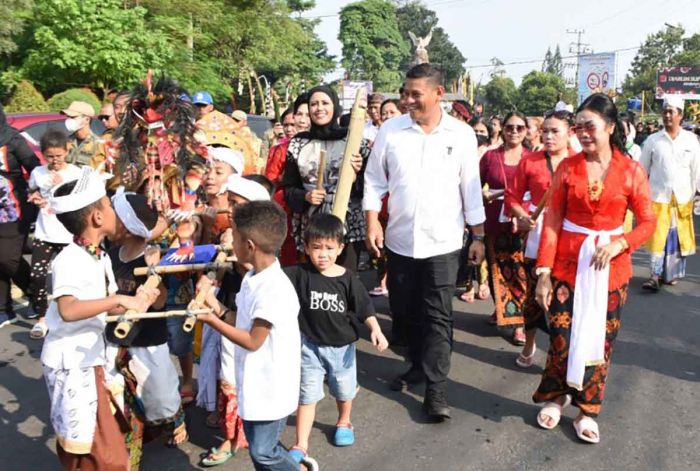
90 188
562 106
248 189
127 215
674 101
228 156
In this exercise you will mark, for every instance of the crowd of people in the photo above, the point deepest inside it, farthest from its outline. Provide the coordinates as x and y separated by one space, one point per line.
540 213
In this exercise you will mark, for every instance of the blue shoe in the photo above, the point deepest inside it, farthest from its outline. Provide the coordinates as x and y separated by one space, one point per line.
297 454
7 319
344 435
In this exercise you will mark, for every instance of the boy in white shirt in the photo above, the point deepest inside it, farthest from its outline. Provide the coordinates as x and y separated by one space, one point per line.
266 334
88 435
50 237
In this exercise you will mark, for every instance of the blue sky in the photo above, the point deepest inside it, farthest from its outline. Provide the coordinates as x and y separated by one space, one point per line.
521 30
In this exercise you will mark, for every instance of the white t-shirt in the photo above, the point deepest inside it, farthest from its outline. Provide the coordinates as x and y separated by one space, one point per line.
78 344
48 227
267 380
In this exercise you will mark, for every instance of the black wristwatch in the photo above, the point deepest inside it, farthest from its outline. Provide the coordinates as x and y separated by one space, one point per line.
479 237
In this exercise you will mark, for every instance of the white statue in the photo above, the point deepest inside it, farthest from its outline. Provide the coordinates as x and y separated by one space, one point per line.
421 45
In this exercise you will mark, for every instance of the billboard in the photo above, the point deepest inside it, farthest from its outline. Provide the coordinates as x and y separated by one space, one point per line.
596 73
683 81
349 89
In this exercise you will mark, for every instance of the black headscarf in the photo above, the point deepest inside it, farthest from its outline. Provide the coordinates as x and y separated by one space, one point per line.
7 132
331 131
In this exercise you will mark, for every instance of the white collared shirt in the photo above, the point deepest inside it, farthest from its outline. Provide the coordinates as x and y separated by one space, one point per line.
77 344
267 380
433 184
48 227
673 166
370 131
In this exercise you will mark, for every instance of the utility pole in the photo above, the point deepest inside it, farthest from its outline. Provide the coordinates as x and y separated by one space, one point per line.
578 48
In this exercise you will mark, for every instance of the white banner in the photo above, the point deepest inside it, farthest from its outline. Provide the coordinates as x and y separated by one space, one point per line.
349 90
596 74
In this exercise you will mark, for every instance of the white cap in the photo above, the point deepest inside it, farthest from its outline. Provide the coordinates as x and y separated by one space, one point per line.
229 156
675 101
89 188
248 189
562 106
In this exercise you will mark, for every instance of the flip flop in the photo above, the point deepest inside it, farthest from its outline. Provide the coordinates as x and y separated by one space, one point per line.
484 292
584 424
524 361
467 296
552 410
378 291
39 331
651 285
225 456
186 398
519 337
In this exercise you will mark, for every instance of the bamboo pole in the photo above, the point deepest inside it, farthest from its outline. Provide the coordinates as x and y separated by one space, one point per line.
321 170
165 269
352 146
124 326
137 316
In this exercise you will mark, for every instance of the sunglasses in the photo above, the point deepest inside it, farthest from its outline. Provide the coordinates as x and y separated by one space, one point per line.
103 117
514 128
588 127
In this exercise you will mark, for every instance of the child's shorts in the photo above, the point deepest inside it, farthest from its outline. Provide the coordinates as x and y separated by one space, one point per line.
338 363
179 341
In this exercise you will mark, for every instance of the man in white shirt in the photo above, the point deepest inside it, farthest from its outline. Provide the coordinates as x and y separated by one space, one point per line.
671 157
427 162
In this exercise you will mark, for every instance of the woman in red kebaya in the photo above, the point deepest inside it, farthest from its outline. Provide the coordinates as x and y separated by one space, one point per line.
504 248
584 264
293 121
527 192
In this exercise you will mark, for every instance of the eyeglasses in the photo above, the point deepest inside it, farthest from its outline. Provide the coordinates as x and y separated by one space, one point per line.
514 128
588 126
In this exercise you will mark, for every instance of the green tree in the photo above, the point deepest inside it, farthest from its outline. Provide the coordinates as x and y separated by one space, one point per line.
415 17
659 49
539 92
557 67
96 43
26 97
547 62
500 94
12 23
372 44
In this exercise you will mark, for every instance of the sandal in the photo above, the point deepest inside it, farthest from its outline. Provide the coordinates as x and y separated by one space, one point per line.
484 291
379 291
651 285
553 411
344 435
587 424
209 460
39 331
467 296
526 361
519 336
298 453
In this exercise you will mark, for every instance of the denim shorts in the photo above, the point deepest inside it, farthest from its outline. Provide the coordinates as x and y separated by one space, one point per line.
179 341
338 363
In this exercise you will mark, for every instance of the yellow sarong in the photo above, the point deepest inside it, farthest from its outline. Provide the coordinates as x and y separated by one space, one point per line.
684 223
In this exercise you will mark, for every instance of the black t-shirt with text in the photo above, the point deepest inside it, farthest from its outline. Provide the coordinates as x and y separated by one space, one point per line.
144 333
332 308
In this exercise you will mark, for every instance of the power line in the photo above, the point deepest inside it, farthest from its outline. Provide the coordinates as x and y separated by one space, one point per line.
532 61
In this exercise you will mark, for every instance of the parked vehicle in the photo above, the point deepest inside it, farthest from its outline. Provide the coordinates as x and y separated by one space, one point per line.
33 125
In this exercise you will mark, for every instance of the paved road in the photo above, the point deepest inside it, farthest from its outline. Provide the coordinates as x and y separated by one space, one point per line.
649 421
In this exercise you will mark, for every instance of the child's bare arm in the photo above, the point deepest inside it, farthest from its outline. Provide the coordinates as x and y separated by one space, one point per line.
376 336
250 340
73 309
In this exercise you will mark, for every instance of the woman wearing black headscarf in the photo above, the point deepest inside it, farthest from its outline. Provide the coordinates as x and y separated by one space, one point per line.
15 214
301 173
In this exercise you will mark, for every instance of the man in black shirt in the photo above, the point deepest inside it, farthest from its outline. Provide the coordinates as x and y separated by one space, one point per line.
333 304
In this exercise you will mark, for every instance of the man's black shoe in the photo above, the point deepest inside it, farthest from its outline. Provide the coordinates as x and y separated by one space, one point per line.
412 376
435 405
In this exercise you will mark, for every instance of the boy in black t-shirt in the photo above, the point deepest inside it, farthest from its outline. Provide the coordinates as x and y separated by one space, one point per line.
333 304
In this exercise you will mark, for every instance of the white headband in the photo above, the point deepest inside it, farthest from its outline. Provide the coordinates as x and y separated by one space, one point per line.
89 188
228 156
674 101
127 215
248 189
